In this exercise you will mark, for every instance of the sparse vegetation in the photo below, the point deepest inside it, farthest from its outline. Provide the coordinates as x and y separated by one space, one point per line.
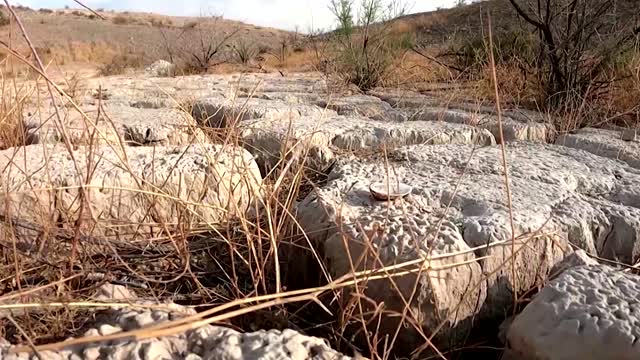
578 50
244 51
160 22
4 19
564 65
120 63
363 47
12 126
281 54
122 20
201 45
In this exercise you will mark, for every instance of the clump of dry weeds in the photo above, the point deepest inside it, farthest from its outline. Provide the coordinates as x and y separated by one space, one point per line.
119 64
13 100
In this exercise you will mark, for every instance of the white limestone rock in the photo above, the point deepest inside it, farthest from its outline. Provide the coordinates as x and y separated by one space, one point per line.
129 192
206 342
268 139
363 105
514 130
559 195
587 313
219 112
161 68
576 258
258 84
116 123
605 143
518 124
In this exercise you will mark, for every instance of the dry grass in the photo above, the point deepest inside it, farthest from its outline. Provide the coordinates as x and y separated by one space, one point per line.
12 127
13 98
231 272
123 20
120 64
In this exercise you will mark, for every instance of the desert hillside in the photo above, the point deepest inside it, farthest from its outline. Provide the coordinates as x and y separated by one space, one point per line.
80 36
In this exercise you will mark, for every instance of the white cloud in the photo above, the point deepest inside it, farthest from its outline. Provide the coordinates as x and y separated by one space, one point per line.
281 13
285 14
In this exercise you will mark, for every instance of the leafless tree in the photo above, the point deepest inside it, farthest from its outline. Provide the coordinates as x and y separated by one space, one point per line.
198 45
580 40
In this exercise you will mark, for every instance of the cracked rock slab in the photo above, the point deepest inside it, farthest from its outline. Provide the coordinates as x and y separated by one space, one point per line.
363 105
205 342
220 112
161 68
605 143
131 192
138 126
513 129
576 258
588 312
268 138
518 124
559 195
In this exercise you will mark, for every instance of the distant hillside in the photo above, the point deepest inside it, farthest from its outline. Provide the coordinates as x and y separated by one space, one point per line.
436 26
80 36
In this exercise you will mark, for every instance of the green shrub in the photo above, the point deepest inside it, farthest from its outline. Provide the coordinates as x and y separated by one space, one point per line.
364 48
244 51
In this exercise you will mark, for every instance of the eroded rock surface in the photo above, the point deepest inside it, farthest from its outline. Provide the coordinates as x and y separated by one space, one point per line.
559 196
271 127
517 124
588 312
161 68
129 192
581 192
205 342
603 142
137 126
145 112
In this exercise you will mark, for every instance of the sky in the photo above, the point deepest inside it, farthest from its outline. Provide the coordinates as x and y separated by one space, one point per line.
283 14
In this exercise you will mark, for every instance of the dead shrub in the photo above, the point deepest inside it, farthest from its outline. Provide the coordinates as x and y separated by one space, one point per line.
12 126
281 54
122 20
199 46
159 22
470 52
4 19
570 58
579 42
120 63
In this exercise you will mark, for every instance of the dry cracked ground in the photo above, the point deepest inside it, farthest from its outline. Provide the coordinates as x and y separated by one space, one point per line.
454 249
